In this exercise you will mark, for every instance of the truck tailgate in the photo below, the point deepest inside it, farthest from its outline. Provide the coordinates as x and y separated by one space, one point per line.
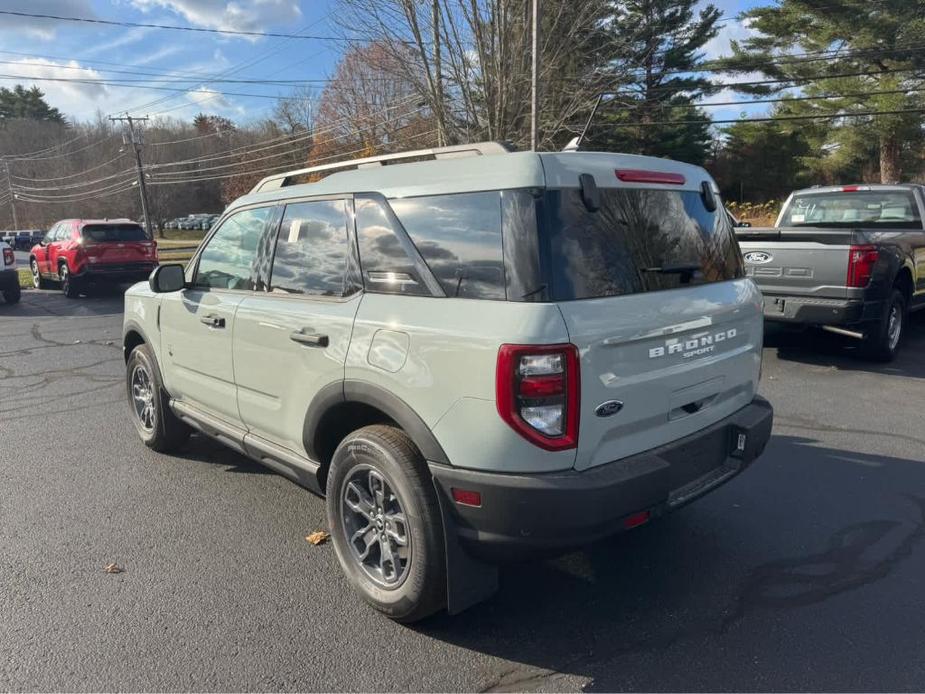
798 262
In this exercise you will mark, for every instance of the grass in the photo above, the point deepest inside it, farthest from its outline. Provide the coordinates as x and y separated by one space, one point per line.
166 244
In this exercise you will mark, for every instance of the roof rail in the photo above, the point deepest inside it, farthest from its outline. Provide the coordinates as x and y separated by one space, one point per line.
280 180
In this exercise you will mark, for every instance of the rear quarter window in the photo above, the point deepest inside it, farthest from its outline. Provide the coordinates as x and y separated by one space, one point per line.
459 237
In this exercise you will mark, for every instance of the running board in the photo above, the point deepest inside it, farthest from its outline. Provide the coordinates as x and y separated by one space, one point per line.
299 469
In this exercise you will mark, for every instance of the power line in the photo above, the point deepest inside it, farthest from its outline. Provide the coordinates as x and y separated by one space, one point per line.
73 175
204 30
768 119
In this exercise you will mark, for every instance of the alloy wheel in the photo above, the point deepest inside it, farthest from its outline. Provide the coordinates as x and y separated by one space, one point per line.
895 326
143 397
376 526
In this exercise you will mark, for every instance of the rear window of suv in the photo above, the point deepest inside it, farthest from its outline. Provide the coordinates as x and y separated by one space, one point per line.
896 209
638 241
101 233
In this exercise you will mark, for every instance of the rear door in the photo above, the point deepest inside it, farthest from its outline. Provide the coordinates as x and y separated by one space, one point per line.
291 341
652 290
197 323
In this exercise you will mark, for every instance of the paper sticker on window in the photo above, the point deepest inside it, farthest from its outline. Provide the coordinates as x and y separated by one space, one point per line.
294 230
797 217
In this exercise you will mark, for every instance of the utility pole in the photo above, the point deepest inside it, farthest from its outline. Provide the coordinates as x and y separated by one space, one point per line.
9 186
134 138
534 74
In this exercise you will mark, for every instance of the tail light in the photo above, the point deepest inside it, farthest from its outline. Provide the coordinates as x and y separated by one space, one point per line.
8 257
861 261
537 392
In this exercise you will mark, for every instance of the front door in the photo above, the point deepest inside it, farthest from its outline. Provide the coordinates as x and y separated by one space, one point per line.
292 341
197 323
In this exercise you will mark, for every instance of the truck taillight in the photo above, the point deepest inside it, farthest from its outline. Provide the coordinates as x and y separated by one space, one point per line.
8 257
538 394
861 261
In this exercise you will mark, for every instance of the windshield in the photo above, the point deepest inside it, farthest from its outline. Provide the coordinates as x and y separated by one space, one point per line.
638 241
895 209
114 232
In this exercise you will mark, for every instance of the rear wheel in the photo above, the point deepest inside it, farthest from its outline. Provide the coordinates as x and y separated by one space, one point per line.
69 285
883 338
386 525
12 295
157 425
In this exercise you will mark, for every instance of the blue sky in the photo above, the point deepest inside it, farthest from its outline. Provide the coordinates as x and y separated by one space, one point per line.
37 48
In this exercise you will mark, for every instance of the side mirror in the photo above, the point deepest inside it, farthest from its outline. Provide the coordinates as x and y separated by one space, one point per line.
167 278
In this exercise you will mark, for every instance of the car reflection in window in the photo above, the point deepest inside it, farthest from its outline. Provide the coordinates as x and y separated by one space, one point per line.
312 249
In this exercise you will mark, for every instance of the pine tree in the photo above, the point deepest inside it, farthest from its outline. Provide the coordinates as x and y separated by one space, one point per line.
30 104
659 44
868 53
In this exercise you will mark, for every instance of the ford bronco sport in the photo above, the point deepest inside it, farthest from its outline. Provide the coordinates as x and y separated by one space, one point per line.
472 353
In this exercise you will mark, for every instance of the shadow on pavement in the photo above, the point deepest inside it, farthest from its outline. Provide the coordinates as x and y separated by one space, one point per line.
670 606
45 303
821 348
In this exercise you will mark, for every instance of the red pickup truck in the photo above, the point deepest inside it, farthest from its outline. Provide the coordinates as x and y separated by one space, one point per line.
78 252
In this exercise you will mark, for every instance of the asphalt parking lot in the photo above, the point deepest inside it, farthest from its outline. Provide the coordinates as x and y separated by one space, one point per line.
805 573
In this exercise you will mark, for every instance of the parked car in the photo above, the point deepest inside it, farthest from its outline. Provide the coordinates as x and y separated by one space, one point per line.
78 252
474 358
9 276
848 259
207 221
22 241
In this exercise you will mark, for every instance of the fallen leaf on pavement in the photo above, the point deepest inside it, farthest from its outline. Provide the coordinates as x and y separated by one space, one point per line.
318 537
113 568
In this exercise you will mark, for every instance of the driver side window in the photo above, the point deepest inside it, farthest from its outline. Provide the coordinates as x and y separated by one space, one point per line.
229 259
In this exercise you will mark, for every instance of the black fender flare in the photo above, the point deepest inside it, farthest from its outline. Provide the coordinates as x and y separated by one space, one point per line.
329 398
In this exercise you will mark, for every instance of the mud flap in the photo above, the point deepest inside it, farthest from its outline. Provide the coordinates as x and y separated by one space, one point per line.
468 580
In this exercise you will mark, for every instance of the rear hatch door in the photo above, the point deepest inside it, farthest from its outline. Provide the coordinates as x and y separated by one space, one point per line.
652 290
117 243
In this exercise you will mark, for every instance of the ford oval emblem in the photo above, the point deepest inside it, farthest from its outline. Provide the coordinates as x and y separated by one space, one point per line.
609 408
758 257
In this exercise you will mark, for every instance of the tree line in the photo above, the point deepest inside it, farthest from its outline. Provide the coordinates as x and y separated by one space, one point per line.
838 88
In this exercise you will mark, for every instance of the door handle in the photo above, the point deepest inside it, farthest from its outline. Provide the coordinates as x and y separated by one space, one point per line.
309 339
213 321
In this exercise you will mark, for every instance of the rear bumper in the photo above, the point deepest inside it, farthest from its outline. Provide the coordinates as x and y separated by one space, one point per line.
524 513
115 272
820 311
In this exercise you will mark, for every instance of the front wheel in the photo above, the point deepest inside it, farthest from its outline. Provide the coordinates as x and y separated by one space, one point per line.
158 427
37 280
385 522
882 341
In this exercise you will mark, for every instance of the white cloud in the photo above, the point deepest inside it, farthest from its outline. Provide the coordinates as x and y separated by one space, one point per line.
733 30
108 46
157 55
254 15
212 101
71 98
42 29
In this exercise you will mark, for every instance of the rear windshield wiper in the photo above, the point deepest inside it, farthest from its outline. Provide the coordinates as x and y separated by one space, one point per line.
679 269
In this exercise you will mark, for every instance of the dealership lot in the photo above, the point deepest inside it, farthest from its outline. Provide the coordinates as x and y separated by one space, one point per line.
803 573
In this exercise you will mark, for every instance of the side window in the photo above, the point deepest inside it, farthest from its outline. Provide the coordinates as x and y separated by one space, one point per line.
459 237
312 249
50 234
389 267
229 259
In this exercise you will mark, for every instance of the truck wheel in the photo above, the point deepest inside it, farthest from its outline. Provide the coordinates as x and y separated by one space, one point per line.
12 295
37 281
69 285
882 341
159 428
386 525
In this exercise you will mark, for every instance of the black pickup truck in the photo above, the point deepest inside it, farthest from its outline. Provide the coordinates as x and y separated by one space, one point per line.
849 259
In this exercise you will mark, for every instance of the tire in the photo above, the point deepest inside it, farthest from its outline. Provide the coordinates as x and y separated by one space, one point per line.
383 459
37 281
158 427
884 337
69 285
12 295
